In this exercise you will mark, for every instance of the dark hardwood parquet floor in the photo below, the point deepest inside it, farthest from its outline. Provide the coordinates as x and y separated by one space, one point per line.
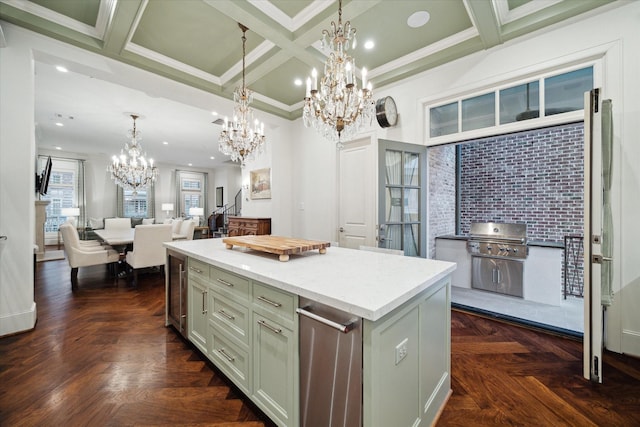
101 356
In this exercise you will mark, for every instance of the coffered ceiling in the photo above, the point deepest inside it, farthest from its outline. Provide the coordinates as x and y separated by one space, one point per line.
198 42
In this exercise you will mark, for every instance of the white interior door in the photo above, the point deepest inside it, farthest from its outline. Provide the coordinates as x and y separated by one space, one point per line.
598 229
356 187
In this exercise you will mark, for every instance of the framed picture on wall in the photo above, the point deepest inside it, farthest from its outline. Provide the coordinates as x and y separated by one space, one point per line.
260 183
219 195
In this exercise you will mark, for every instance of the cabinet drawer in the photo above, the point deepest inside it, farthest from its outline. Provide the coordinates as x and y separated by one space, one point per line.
273 300
229 284
230 317
230 358
198 269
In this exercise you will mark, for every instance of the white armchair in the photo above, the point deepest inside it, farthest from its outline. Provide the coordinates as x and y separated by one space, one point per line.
117 223
147 247
185 232
83 256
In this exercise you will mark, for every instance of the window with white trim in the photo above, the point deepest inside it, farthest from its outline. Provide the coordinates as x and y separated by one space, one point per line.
539 98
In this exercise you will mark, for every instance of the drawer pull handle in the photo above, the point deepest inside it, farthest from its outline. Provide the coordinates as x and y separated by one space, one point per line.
268 326
204 298
196 270
224 282
268 301
227 315
226 356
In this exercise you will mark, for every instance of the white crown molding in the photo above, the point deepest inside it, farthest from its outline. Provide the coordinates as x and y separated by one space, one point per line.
104 16
291 24
506 16
172 63
252 57
425 51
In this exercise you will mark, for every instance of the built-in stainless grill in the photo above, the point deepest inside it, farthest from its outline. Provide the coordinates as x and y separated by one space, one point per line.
497 253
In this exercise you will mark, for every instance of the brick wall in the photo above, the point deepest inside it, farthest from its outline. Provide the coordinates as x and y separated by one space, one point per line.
442 194
534 177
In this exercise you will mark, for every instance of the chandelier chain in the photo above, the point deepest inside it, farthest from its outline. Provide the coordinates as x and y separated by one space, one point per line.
238 138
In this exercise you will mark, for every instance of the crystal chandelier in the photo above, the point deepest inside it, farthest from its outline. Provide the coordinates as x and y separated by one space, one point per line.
131 170
338 109
242 138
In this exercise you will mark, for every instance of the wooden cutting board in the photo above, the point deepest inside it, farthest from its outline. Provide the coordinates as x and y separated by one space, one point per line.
283 246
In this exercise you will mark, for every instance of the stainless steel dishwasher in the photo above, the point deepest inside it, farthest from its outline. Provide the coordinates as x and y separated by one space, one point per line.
330 366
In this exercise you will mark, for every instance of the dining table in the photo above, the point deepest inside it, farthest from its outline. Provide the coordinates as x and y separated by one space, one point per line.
123 236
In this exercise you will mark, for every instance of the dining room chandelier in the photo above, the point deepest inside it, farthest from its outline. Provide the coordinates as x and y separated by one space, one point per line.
242 138
338 109
130 170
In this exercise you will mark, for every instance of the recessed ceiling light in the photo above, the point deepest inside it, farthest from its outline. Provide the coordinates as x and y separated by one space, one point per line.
369 44
212 158
297 82
418 19
214 113
165 143
59 124
61 68
58 148
189 164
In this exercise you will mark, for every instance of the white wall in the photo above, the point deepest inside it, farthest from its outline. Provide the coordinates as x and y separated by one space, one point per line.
277 155
17 188
610 36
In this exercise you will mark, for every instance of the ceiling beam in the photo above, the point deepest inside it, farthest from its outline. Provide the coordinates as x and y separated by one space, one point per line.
290 46
122 25
485 18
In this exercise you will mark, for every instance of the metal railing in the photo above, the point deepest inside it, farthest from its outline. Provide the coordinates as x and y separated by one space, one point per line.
573 266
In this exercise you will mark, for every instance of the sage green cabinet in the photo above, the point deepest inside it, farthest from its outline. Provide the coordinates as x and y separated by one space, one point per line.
406 361
275 368
197 317
197 295
249 330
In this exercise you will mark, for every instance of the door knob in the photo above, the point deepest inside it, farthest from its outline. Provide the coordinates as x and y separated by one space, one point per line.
341 230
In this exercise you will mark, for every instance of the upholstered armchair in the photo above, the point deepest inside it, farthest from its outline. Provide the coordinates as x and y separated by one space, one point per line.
87 244
83 256
147 247
185 232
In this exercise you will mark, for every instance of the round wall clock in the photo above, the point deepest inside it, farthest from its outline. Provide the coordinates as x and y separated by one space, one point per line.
386 112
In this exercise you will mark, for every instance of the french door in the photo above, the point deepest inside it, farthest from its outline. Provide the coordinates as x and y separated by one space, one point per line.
598 229
402 185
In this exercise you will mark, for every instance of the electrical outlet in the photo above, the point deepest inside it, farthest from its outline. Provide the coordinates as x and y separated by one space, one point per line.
401 350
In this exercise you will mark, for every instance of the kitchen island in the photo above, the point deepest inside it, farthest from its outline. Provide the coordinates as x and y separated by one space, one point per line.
242 316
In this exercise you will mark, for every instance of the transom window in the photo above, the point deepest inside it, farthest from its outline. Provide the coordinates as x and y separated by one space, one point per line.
543 97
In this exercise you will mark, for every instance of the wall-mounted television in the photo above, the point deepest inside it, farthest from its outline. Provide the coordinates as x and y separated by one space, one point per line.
42 181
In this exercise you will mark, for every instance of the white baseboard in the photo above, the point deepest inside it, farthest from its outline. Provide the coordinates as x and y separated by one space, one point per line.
631 342
18 322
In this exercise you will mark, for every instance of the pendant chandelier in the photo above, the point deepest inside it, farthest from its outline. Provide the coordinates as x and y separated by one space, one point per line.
242 138
338 109
130 170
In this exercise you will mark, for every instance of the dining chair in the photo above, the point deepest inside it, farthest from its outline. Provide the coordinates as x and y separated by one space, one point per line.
117 223
147 248
83 256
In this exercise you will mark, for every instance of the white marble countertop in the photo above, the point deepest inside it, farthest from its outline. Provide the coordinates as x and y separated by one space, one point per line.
366 284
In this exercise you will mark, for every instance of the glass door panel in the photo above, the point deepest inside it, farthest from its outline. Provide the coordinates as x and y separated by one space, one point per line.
401 211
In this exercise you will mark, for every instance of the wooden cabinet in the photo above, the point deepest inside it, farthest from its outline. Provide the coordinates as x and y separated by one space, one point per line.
245 226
